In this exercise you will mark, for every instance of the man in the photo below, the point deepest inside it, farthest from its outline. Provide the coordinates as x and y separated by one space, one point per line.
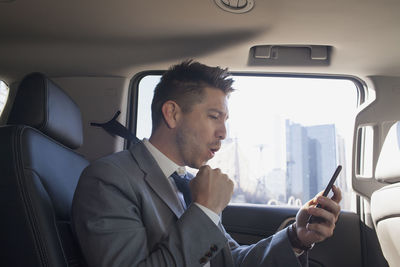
133 209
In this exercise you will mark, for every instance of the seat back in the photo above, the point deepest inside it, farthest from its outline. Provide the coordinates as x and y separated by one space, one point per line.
385 202
39 171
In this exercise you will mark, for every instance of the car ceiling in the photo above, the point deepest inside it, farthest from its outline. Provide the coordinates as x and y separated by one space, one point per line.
103 37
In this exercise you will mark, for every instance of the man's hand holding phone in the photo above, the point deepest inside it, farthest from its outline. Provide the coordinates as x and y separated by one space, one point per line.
313 219
316 220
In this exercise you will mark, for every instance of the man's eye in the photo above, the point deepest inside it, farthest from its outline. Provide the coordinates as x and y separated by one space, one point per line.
213 117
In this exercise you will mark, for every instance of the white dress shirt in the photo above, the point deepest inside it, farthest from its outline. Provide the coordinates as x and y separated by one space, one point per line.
168 167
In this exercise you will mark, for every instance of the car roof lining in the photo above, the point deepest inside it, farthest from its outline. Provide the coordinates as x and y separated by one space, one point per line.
120 38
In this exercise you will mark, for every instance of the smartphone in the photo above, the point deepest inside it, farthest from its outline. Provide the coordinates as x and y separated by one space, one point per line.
328 188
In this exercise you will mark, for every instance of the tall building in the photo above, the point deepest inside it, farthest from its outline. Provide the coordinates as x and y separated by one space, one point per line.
311 159
297 164
314 161
324 161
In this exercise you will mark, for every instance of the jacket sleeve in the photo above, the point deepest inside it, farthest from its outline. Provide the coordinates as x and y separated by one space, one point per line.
107 220
274 251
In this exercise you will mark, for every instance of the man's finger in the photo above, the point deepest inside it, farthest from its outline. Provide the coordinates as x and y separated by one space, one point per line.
327 217
329 205
337 194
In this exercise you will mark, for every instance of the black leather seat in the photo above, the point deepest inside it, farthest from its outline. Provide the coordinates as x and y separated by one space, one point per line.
39 171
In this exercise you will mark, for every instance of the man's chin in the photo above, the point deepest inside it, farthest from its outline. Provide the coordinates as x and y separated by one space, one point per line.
198 165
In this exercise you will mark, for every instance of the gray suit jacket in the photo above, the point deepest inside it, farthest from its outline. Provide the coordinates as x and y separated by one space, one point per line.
125 213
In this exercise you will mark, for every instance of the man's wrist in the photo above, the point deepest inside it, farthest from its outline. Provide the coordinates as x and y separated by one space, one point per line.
211 214
295 241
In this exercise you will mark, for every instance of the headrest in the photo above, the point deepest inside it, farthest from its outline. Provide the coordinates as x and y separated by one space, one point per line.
41 104
385 202
388 166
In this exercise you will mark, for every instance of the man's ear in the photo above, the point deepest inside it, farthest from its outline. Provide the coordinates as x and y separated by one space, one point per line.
171 113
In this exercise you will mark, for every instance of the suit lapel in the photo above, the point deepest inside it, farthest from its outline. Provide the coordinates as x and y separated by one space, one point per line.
155 178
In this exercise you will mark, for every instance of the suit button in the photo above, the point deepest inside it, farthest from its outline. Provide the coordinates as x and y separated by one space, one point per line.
203 260
214 248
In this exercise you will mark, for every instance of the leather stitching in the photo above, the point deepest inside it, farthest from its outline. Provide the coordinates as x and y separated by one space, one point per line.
24 194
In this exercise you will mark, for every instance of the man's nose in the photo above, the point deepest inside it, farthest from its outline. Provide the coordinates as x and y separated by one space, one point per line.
221 131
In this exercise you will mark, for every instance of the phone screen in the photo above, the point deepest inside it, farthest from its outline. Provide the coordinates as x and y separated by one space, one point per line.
328 188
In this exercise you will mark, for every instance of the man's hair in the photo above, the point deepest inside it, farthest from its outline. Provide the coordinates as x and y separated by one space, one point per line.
184 83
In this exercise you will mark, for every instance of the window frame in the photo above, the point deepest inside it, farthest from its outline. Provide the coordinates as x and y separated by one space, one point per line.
132 120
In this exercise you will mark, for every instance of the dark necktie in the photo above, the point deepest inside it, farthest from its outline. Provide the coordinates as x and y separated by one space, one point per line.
182 183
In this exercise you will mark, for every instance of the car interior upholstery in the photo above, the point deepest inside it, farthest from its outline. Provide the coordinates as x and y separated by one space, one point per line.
40 171
385 209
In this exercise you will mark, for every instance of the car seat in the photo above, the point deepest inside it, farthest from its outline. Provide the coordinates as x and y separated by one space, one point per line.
39 171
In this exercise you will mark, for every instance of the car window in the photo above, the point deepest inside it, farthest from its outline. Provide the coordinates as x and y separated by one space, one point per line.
285 136
3 95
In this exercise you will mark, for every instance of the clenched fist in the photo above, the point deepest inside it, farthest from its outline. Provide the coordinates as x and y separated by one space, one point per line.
211 188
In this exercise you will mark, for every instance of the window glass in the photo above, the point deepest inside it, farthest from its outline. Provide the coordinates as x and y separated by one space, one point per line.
398 134
3 95
285 136
365 151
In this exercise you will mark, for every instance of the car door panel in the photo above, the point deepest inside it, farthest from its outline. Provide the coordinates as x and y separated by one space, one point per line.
250 223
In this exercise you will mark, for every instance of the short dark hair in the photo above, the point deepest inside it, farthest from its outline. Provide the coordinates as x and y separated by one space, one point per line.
184 83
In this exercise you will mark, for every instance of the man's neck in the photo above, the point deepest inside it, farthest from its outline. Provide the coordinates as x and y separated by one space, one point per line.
166 146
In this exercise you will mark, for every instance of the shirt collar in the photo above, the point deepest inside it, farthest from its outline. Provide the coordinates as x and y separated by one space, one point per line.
167 166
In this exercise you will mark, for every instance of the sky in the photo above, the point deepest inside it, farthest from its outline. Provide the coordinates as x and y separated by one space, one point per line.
305 101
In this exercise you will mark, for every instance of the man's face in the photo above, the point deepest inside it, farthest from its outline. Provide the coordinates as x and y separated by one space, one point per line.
200 131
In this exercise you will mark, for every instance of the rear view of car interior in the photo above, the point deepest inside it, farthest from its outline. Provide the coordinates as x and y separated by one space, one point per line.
317 84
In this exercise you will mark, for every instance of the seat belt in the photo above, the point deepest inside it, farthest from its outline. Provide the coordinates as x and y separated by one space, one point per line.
114 128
